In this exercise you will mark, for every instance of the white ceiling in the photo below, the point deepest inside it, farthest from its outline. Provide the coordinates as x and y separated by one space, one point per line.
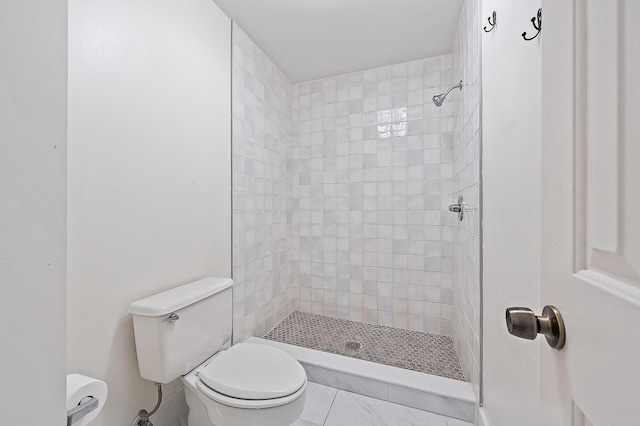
311 39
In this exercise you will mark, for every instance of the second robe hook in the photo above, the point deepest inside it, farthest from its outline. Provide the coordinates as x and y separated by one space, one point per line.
537 24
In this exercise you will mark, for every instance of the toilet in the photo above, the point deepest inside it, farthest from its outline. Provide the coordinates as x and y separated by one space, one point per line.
186 332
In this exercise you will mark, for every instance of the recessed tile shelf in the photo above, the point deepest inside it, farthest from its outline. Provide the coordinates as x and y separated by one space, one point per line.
411 350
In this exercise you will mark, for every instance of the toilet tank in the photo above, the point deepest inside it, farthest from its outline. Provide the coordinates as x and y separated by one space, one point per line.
178 329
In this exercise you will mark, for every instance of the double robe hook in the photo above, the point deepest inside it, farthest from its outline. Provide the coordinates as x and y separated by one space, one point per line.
537 24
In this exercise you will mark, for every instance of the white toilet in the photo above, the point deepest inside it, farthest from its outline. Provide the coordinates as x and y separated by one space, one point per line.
182 332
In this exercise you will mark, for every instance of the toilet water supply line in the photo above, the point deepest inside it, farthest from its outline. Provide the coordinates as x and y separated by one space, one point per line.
142 419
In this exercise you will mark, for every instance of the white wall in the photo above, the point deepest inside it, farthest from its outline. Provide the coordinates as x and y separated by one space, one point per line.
511 113
33 139
149 174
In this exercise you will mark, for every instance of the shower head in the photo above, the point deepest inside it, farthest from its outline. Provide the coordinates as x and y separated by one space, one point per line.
439 99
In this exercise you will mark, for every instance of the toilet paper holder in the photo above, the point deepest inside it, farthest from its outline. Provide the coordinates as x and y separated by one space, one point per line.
86 406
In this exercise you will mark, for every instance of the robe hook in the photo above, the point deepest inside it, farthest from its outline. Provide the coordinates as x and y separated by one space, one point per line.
493 24
537 24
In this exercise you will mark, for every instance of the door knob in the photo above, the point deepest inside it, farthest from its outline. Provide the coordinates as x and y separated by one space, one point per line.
522 322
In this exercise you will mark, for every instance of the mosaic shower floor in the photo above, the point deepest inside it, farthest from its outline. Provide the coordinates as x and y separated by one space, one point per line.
411 350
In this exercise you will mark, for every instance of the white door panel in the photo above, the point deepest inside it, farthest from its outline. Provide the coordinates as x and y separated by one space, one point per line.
591 210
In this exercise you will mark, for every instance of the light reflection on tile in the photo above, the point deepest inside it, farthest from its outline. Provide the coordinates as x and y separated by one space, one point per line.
385 116
399 114
384 130
399 129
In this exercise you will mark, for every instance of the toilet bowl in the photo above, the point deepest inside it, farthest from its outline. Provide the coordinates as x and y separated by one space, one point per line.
247 384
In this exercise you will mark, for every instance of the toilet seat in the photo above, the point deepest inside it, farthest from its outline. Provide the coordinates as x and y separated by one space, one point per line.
252 376
248 403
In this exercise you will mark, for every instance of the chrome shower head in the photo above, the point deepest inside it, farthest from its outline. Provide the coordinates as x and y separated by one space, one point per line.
439 99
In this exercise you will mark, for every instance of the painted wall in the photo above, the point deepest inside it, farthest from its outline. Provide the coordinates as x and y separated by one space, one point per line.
311 40
511 103
372 238
33 147
262 180
149 175
466 182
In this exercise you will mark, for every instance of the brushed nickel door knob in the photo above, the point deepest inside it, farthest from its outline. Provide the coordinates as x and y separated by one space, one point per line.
522 322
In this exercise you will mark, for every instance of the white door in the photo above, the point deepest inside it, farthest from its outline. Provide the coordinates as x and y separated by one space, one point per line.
591 210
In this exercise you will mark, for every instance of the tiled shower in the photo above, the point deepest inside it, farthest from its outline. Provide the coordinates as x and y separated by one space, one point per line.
340 195
372 159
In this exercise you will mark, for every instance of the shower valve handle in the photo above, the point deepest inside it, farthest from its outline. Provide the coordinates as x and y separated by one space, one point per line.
458 208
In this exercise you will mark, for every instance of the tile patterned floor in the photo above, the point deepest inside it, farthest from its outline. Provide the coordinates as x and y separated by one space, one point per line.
326 406
411 350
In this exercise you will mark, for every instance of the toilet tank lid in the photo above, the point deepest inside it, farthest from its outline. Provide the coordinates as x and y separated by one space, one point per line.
179 297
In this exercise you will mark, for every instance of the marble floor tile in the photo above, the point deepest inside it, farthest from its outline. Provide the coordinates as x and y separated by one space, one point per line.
353 409
318 400
327 406
456 422
301 422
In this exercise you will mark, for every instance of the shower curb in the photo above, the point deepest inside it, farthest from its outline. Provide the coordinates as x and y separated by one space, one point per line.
439 395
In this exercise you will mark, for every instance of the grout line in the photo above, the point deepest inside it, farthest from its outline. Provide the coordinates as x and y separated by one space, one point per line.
331 406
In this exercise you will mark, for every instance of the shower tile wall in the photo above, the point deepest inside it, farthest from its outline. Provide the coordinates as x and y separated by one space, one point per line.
466 182
261 144
372 157
340 194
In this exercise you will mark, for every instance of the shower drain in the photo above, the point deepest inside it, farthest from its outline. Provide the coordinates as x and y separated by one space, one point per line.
353 345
